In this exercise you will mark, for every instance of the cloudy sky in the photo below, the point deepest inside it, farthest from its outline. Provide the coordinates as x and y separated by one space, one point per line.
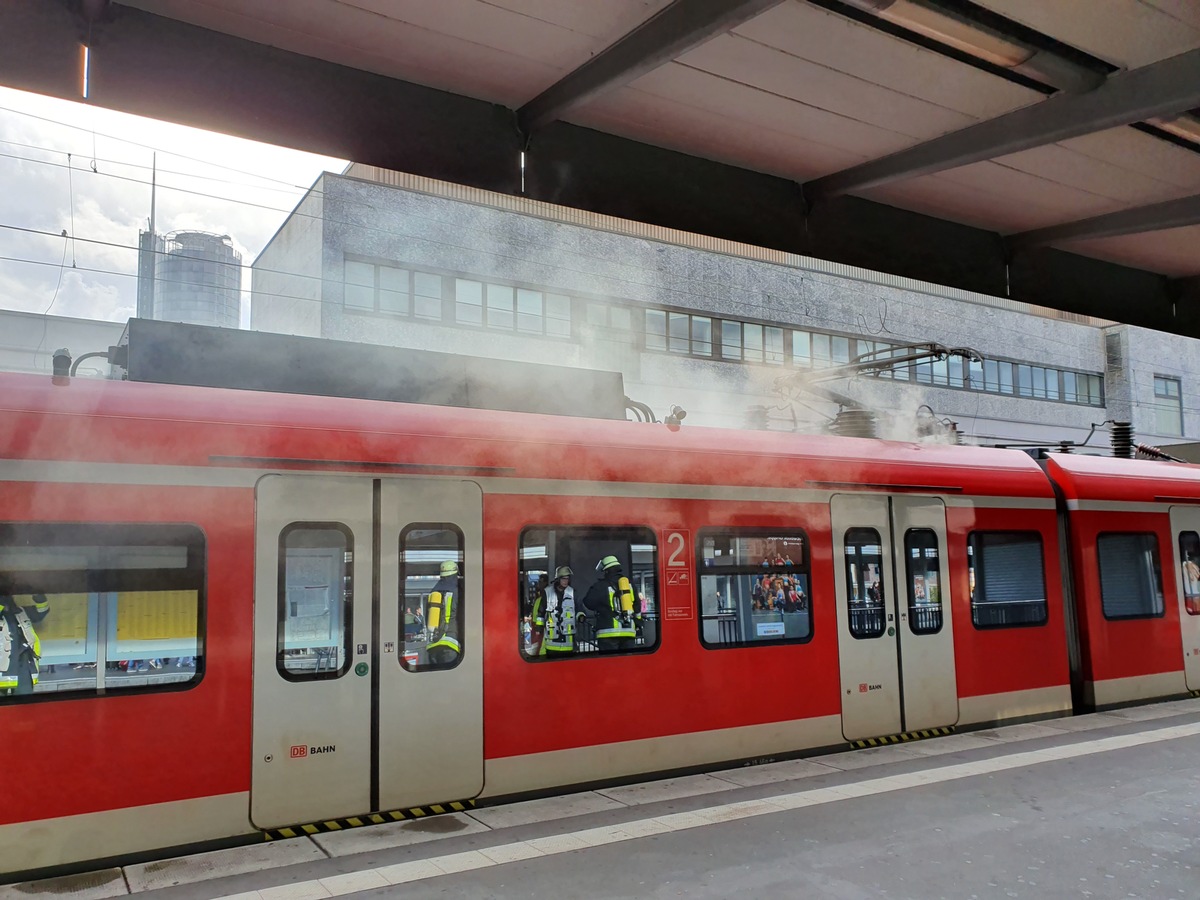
100 196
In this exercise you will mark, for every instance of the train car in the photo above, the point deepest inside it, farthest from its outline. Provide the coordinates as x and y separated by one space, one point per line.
238 587
1134 540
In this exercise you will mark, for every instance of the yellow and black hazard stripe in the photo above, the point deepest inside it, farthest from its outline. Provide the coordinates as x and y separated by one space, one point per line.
379 818
904 738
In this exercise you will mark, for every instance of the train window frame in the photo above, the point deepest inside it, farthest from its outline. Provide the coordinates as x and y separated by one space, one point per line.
859 634
1191 601
348 598
924 587
631 536
102 587
707 570
419 668
974 584
1156 568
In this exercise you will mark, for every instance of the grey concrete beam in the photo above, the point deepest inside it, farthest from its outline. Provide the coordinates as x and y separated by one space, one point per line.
671 32
1155 217
1163 88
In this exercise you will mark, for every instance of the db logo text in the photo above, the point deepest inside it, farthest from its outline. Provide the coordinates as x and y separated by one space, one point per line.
300 751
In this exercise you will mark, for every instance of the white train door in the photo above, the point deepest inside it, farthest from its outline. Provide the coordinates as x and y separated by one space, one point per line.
350 716
1185 532
895 635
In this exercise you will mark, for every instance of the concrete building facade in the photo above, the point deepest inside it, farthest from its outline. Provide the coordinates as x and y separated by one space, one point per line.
736 335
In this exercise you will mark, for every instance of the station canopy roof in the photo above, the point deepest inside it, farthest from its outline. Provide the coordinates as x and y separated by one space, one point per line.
1070 125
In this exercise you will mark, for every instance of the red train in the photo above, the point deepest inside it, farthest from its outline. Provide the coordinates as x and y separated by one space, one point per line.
238 586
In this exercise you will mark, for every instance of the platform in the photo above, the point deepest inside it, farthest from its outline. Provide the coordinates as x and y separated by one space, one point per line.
1102 805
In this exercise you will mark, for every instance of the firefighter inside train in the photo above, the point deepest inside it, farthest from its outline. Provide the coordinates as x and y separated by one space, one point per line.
554 617
20 648
444 615
615 605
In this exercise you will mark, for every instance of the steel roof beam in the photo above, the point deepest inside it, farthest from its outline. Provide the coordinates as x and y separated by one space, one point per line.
668 34
1155 217
1163 88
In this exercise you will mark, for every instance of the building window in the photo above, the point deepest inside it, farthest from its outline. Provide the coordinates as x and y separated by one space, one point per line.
752 342
505 308
1130 576
1168 406
754 587
427 296
678 333
372 288
1006 575
111 607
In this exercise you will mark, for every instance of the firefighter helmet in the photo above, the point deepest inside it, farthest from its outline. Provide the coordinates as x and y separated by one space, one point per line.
449 567
562 572
609 562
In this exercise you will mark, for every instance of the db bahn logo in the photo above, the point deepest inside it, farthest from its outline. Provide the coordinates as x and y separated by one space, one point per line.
300 751
863 687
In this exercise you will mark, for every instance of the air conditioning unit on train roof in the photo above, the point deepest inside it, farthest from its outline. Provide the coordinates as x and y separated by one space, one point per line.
205 356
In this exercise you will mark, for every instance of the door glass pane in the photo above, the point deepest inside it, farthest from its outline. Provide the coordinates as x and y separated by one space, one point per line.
315 595
864 582
924 589
431 597
1189 555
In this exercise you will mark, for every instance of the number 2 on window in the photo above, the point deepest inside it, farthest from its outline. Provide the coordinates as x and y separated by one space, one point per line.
676 560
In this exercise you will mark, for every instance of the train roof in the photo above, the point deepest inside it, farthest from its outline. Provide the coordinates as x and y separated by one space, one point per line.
1128 480
137 423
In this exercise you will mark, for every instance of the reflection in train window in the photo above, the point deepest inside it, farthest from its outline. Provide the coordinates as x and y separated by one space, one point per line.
754 587
587 590
1130 576
1007 578
864 582
316 562
100 608
432 585
924 584
1189 561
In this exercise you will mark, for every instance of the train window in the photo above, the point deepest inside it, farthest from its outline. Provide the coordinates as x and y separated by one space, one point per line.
1189 561
93 609
754 587
864 582
1130 576
1007 578
587 590
432 584
924 589
316 590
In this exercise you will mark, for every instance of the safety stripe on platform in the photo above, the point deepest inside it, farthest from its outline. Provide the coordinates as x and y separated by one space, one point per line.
903 738
487 857
392 815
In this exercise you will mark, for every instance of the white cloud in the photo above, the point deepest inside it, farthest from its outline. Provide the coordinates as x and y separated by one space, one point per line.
206 182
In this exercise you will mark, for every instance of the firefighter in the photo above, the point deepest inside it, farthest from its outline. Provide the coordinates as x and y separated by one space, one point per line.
444 616
554 615
616 608
20 647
